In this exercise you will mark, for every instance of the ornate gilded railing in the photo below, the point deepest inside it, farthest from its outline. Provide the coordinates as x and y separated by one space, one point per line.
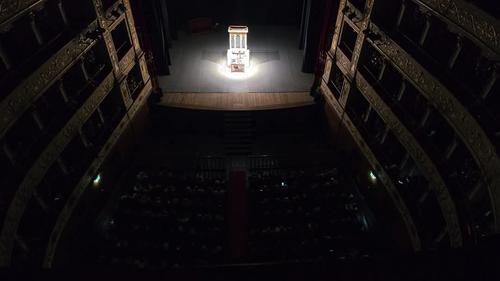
470 18
10 9
22 97
43 163
17 102
423 161
464 124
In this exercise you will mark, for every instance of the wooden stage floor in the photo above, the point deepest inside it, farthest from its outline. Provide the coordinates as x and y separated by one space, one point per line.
237 101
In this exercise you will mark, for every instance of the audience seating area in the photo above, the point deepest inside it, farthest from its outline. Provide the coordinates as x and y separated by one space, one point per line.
162 219
303 214
166 220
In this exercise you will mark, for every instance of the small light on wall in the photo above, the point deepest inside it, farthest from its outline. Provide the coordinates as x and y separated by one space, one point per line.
373 177
97 180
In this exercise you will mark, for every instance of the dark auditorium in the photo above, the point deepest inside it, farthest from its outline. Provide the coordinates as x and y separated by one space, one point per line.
250 140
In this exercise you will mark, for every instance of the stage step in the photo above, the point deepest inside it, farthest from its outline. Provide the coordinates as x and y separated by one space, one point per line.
239 130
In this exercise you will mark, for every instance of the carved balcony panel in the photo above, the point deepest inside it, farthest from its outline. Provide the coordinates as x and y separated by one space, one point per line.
29 42
67 112
455 57
328 68
125 94
141 99
360 25
433 133
421 158
381 173
20 99
468 17
453 111
40 167
394 158
144 67
112 55
128 61
133 31
338 26
343 64
108 12
135 83
336 81
11 9
459 63
48 113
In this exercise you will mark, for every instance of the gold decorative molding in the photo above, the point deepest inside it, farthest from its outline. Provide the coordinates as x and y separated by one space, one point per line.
466 127
42 164
330 98
127 62
132 30
127 100
344 64
346 89
470 18
359 26
12 107
114 23
109 25
9 9
144 68
140 99
110 46
381 173
104 21
85 181
354 26
423 161
328 68
338 26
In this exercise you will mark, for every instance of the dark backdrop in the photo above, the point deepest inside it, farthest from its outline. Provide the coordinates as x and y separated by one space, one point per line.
275 12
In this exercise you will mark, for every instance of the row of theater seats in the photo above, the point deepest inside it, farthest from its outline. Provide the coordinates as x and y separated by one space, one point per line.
162 219
166 220
304 214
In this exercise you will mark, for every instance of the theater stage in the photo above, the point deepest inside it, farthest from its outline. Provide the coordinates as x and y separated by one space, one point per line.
198 68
